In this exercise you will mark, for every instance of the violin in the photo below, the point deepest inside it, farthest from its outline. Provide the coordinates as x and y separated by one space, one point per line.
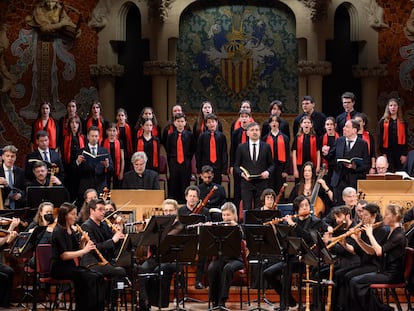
106 194
4 233
53 171
4 221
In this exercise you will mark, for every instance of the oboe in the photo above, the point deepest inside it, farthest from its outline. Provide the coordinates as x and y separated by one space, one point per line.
103 261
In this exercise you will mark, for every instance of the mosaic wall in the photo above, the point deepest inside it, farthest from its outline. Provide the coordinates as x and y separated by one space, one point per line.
231 52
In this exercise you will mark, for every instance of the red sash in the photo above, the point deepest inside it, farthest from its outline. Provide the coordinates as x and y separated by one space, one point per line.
128 137
324 143
100 127
154 143
281 155
365 136
50 128
67 144
154 131
400 133
299 149
237 124
117 155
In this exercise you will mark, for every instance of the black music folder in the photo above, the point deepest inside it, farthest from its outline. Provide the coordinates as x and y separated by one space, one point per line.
38 194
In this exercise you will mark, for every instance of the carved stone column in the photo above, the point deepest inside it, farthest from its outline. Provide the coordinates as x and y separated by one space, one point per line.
310 79
105 75
161 72
369 86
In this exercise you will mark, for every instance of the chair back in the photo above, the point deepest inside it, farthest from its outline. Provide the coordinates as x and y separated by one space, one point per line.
43 256
408 262
163 167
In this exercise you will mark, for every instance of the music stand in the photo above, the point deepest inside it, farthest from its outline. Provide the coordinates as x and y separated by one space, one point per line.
38 194
186 220
154 233
259 217
178 248
261 240
298 247
220 241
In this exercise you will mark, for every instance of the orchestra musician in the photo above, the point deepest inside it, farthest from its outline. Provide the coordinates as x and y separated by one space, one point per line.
220 270
6 272
104 239
306 185
90 194
391 253
66 249
350 199
359 245
169 207
303 225
268 198
192 197
219 196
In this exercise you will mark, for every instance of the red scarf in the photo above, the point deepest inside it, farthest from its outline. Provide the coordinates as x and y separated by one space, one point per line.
67 145
128 137
154 131
100 127
400 133
365 136
140 147
117 155
281 155
324 143
299 150
237 124
50 128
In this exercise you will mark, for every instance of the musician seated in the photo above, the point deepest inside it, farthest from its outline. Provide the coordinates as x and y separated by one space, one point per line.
40 172
6 272
268 198
220 272
195 206
305 226
140 177
105 239
89 195
219 196
350 198
150 265
323 199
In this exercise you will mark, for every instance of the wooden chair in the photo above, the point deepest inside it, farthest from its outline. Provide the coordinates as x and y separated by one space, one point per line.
43 257
391 287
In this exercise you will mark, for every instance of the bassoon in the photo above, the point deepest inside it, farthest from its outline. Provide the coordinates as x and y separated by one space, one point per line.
202 203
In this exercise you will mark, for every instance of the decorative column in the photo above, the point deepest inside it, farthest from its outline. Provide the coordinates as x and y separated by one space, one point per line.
310 79
369 86
161 72
105 75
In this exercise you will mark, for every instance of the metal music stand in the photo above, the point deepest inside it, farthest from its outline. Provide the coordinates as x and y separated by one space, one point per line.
298 247
154 233
186 220
261 240
220 241
178 248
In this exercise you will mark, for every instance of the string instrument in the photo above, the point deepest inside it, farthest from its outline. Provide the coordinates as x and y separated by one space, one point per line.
53 171
200 206
275 221
279 196
4 221
110 225
103 261
106 194
357 229
407 225
4 233
315 200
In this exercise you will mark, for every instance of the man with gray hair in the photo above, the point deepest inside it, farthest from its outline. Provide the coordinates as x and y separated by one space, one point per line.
140 177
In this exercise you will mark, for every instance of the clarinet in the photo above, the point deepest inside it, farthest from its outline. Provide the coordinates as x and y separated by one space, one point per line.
200 206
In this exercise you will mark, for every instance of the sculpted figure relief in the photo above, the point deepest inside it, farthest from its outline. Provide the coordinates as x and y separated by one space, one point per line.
7 79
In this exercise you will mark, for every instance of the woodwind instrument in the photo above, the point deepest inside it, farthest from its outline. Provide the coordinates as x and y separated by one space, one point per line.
357 229
279 196
330 285
200 206
53 171
103 261
279 220
307 301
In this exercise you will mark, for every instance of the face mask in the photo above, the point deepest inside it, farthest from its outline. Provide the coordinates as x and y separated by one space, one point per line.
49 218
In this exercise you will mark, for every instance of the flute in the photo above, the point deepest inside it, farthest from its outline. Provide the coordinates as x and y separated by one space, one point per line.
103 261
202 224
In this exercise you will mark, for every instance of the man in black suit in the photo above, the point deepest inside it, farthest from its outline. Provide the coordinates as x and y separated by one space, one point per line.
12 179
347 146
254 156
92 174
140 178
318 118
44 154
348 102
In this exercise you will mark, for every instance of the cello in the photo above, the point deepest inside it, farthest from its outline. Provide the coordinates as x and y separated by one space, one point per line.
315 200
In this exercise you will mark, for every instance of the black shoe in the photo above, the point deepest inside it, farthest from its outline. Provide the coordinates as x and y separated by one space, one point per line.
199 285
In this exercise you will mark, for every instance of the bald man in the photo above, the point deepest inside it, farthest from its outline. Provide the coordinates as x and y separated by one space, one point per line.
381 165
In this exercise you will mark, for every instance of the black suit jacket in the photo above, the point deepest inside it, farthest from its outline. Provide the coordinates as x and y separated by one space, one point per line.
93 175
151 181
35 155
264 161
19 184
360 149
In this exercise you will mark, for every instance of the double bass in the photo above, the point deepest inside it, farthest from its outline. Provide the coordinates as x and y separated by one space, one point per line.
315 200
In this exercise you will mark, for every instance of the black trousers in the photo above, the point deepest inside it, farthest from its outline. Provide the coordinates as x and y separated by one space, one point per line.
6 283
